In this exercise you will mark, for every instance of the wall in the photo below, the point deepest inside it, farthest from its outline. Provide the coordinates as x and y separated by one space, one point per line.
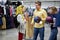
45 3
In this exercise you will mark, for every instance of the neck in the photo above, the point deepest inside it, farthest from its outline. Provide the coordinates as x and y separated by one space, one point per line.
38 9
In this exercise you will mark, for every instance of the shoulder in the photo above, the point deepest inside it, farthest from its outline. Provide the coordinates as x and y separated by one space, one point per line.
19 15
19 6
43 10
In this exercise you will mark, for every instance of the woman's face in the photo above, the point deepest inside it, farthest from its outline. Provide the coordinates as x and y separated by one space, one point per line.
52 10
49 11
24 9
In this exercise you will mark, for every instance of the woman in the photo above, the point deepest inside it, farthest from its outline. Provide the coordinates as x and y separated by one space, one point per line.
20 19
54 31
28 18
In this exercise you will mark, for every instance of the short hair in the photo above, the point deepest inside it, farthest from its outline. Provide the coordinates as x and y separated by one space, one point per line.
38 2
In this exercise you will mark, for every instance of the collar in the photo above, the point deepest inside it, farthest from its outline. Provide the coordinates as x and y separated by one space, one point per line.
38 10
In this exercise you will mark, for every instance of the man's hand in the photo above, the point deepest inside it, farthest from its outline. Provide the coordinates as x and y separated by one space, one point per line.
32 24
40 22
26 16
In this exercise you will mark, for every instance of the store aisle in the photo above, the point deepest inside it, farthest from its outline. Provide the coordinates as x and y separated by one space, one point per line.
12 34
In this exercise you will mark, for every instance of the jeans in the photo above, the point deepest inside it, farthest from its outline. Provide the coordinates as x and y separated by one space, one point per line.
39 31
54 32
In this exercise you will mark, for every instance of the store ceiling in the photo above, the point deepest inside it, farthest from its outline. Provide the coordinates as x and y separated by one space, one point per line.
34 0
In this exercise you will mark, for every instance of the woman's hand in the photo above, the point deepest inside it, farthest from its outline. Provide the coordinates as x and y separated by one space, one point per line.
26 16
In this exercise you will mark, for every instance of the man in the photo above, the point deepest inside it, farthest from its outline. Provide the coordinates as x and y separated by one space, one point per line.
39 27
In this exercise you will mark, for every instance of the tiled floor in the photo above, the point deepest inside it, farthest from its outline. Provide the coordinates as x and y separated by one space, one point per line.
12 34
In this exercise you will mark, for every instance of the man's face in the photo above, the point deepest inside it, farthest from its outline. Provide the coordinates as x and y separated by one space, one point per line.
37 6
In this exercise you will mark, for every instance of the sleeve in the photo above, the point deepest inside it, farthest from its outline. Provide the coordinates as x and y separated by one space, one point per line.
32 22
44 15
19 18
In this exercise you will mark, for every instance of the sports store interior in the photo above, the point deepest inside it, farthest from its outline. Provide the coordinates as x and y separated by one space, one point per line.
9 25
